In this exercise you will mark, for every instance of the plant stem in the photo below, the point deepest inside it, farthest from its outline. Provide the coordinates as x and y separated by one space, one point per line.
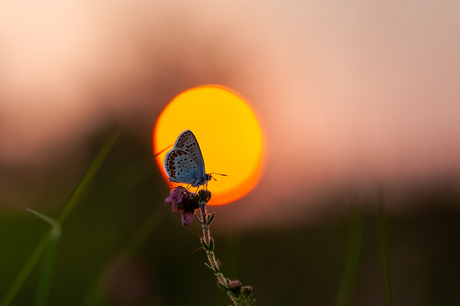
213 262
68 207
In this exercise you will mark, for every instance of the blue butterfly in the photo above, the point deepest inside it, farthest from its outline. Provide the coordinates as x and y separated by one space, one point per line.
184 162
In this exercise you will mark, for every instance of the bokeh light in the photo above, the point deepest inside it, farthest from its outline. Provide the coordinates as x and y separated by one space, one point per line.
228 132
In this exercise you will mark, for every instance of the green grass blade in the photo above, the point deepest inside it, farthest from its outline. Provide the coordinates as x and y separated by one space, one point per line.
45 218
48 260
95 165
25 271
384 246
46 273
70 203
352 258
52 235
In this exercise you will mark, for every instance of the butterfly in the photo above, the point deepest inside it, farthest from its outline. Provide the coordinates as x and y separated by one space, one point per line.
184 162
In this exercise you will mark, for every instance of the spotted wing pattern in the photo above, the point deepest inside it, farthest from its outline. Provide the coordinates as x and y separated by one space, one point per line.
187 142
184 163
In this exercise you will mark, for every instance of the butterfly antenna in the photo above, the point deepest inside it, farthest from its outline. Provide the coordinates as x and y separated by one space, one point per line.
218 174
162 150
210 174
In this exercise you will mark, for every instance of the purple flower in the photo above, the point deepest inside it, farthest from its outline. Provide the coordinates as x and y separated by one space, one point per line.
183 201
175 198
234 284
187 218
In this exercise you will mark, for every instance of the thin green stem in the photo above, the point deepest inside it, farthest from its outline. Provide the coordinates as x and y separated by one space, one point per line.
89 175
68 206
48 260
46 273
214 263
25 271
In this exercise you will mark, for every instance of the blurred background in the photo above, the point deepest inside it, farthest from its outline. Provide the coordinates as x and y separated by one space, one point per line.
356 99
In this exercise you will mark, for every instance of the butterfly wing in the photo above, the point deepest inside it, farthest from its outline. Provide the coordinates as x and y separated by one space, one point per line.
187 142
182 168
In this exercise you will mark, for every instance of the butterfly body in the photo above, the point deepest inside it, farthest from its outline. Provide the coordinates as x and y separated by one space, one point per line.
184 162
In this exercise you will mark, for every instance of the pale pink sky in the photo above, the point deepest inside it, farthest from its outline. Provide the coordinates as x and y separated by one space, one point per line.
349 92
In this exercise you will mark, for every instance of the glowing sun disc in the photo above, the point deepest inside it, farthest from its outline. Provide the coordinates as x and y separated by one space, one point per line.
229 135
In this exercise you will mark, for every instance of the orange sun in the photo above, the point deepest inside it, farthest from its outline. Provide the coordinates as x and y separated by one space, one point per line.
229 135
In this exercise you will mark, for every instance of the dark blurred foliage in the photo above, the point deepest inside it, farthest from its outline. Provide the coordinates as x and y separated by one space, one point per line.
296 265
